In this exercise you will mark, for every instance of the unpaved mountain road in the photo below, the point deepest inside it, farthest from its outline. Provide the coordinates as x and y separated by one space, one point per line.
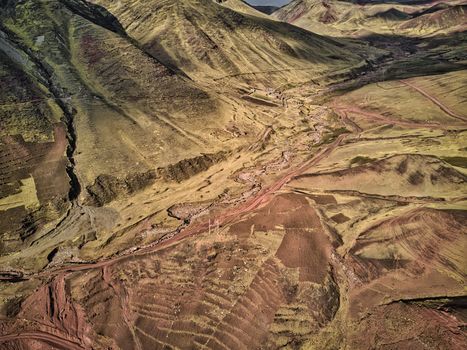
436 101
59 315
224 218
57 340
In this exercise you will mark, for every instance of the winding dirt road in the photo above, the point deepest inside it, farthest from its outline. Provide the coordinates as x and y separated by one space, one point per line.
56 277
57 340
61 300
433 99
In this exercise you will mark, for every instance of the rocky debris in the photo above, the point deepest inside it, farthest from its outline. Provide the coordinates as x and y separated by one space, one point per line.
106 187
11 276
187 168
186 211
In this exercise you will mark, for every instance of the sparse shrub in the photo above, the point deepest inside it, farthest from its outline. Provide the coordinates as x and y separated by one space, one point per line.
402 167
416 178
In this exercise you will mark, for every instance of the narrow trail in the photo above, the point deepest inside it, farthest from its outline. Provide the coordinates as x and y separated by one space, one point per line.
349 122
57 340
343 111
433 99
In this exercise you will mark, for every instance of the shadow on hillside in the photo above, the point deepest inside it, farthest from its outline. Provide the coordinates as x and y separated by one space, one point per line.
95 14
420 56
413 57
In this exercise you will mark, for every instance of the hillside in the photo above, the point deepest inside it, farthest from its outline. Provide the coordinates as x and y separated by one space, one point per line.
241 7
438 19
218 42
345 18
82 104
266 9
196 174
108 116
112 113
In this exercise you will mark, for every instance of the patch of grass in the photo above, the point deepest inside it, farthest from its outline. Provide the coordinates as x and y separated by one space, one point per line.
456 161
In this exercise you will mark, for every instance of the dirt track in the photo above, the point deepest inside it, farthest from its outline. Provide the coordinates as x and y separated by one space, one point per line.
64 310
43 336
56 288
433 99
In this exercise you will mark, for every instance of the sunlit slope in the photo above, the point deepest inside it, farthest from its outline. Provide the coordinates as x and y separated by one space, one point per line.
242 7
317 15
205 39
343 18
437 20
80 104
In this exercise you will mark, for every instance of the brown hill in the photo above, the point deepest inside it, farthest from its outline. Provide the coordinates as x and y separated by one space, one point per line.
346 18
207 40
438 19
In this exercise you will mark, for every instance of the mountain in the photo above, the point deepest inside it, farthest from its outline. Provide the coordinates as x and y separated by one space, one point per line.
438 19
98 102
196 174
266 9
87 106
241 7
345 18
219 42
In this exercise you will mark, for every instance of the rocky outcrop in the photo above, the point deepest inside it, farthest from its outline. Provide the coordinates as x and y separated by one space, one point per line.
187 168
106 188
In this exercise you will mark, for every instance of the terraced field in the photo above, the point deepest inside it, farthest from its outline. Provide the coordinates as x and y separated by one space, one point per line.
197 175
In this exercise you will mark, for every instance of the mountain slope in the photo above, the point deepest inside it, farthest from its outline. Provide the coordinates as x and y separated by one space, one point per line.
193 175
450 18
84 102
241 7
108 114
207 40
345 18
266 9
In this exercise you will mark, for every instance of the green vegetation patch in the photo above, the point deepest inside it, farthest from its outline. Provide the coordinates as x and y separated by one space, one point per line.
24 108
